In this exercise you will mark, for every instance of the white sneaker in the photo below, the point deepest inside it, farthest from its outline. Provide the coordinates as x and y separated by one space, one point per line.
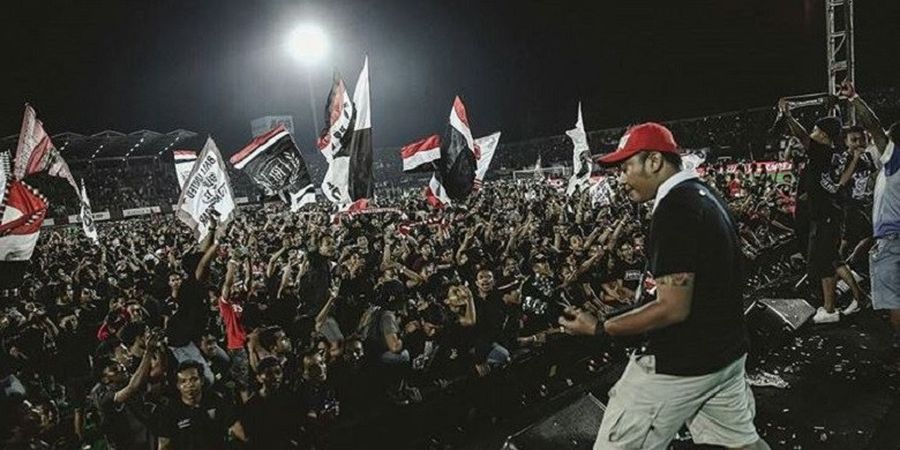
823 316
853 307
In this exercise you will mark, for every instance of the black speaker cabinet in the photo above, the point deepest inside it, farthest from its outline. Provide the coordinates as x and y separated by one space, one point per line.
574 427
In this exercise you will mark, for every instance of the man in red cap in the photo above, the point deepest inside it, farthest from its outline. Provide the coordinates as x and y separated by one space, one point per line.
691 370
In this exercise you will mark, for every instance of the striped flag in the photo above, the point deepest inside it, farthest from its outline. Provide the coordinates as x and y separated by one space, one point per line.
35 151
184 162
458 158
435 194
486 146
334 142
417 155
346 142
273 161
359 182
339 118
23 213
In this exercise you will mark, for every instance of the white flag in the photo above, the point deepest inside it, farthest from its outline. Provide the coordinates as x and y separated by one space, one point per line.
184 162
486 146
87 217
206 189
581 157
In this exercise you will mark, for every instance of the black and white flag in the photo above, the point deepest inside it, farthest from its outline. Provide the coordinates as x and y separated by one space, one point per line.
581 157
87 217
458 154
273 161
346 142
485 147
359 183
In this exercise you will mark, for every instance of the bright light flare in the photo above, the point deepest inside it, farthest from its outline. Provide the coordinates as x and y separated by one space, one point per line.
307 44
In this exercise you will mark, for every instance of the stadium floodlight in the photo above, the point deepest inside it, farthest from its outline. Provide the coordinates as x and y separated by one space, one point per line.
307 44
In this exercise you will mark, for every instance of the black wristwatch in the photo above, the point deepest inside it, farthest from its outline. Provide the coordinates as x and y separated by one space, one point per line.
600 329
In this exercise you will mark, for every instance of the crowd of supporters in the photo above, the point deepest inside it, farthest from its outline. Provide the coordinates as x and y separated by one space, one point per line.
152 339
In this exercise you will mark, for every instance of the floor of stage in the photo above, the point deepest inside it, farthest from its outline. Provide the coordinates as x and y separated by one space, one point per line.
839 394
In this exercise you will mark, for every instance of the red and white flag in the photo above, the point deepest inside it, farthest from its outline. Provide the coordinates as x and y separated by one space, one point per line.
335 137
435 194
346 141
417 155
458 154
35 151
23 213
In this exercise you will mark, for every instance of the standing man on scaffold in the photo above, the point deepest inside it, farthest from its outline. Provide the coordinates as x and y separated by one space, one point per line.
691 371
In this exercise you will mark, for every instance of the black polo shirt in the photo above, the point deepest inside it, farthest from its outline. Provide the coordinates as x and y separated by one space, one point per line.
204 427
692 232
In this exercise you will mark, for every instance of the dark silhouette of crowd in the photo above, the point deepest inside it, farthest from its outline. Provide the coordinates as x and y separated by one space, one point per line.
125 341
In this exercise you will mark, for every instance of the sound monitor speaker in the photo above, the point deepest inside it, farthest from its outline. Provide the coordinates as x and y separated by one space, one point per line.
771 323
789 312
574 427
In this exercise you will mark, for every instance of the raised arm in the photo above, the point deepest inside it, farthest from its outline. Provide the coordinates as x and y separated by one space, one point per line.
140 376
270 268
794 127
228 284
203 267
470 317
865 115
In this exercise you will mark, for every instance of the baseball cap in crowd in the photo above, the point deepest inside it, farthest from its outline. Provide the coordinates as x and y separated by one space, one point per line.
646 136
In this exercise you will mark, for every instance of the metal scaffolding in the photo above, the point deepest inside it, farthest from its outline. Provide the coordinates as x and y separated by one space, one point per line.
839 47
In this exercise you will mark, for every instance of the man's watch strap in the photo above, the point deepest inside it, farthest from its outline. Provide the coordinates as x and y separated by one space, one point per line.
600 329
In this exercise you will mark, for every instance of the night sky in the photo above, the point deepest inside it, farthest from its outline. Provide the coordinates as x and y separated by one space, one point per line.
520 66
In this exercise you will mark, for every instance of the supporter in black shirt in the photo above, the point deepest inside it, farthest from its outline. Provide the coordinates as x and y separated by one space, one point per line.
119 398
490 318
817 196
270 416
198 419
625 275
697 344
316 394
540 297
315 283
423 338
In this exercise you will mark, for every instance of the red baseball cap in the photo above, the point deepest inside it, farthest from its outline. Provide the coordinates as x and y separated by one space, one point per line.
646 136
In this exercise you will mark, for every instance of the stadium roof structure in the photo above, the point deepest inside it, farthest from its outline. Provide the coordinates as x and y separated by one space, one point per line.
110 144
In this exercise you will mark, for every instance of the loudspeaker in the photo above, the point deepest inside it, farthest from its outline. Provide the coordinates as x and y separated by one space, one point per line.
574 427
787 313
772 322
